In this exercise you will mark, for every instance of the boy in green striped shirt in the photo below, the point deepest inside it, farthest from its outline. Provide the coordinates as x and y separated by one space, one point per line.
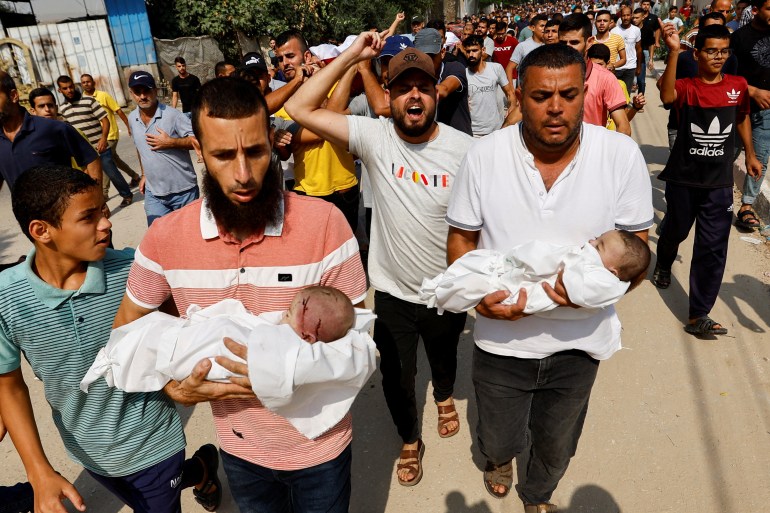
58 308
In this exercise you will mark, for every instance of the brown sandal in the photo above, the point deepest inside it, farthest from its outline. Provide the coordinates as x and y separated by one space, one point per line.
450 416
414 467
501 475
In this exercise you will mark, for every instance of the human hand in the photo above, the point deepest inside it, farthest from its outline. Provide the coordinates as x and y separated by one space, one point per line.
400 17
761 97
160 141
639 101
196 388
670 36
142 184
558 292
491 306
368 45
101 146
50 490
281 138
239 368
753 167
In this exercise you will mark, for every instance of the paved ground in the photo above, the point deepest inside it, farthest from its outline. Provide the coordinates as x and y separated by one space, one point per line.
676 424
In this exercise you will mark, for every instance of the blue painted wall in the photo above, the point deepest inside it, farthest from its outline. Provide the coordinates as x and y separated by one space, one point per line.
130 29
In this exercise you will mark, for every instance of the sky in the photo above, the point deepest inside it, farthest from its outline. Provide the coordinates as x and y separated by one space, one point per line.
56 10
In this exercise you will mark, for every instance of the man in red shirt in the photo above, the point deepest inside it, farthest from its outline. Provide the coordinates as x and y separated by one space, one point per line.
504 44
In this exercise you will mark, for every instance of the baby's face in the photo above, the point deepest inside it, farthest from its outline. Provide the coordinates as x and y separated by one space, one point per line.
292 315
611 249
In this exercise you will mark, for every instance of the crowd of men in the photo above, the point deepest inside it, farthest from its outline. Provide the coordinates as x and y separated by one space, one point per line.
482 133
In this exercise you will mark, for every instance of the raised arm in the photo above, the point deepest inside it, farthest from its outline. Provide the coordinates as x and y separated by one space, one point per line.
667 82
396 22
305 106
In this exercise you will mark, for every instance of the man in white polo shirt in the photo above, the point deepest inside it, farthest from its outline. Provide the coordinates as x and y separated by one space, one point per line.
550 177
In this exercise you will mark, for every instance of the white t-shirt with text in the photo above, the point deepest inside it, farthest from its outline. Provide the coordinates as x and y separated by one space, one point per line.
486 115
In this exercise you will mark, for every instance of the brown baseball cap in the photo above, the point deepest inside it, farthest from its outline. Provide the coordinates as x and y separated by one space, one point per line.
411 58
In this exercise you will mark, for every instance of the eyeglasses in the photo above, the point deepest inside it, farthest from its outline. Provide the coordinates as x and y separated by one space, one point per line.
713 52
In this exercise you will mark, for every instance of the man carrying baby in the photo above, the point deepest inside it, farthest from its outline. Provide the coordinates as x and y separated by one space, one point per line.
248 240
553 178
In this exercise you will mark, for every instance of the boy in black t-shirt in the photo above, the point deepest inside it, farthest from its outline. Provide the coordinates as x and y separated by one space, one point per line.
710 109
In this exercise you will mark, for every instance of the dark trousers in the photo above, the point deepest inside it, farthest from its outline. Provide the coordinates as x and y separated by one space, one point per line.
627 76
18 498
544 399
397 330
156 489
347 202
711 211
324 488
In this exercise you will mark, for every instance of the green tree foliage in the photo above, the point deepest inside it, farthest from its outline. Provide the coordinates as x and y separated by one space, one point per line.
319 20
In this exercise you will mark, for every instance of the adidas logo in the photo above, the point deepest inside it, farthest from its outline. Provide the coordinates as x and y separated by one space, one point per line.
402 46
711 140
733 96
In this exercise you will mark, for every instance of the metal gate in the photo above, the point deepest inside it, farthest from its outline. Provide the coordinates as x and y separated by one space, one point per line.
73 49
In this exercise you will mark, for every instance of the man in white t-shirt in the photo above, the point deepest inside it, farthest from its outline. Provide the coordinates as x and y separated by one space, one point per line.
484 79
634 57
412 161
537 24
555 179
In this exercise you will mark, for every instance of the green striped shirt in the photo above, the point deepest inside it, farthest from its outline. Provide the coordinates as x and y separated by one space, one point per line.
109 432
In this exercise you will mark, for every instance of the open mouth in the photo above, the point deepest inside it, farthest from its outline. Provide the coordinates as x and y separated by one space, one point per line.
104 242
414 112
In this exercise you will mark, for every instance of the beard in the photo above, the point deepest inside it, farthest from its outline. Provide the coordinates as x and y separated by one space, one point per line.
534 134
400 119
77 95
250 218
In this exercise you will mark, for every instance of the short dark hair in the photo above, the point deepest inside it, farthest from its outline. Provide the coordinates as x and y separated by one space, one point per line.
599 51
64 79
473 40
711 32
673 8
180 60
712 16
86 75
6 83
437 24
220 67
227 98
558 16
636 259
552 57
758 3
603 12
638 10
43 193
287 35
553 22
501 25
40 92
579 22
536 19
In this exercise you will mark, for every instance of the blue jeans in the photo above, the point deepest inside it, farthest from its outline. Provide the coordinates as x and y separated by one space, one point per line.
640 80
324 488
111 170
760 136
156 489
529 400
159 206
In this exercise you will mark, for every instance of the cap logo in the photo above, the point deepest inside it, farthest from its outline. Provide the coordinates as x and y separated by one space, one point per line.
137 76
253 60
410 57
402 46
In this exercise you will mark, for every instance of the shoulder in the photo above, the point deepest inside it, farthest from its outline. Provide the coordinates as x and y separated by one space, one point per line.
608 142
454 137
10 278
454 68
116 260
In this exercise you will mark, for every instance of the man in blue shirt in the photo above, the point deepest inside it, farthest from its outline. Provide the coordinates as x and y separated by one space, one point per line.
163 136
28 141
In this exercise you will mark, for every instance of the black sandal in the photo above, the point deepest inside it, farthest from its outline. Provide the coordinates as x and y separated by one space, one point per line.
210 495
705 326
501 475
661 278
747 219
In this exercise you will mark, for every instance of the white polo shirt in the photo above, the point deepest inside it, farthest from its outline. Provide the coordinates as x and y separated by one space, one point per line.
500 193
